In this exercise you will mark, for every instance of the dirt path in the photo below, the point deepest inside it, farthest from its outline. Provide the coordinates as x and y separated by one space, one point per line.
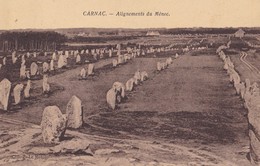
245 68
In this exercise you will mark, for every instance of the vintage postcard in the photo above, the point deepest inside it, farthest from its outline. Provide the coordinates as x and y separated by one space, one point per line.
129 82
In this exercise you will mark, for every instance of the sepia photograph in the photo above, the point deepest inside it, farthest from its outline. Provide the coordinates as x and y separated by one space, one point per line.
130 83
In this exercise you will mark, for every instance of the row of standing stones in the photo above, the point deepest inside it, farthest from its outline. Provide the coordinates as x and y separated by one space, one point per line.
250 94
5 84
117 92
54 123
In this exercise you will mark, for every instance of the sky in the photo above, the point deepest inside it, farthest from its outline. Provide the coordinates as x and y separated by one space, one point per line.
46 14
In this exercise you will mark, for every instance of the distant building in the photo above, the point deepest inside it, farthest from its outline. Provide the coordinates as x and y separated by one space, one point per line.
152 33
240 33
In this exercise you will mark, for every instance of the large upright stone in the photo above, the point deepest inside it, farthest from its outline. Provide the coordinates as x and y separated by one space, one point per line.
144 75
52 65
114 62
242 89
45 67
5 87
74 113
91 69
54 56
34 69
110 53
120 59
27 89
65 60
53 124
137 77
78 59
169 61
27 73
23 59
83 73
61 61
23 72
45 84
111 98
120 88
17 93
4 61
130 84
14 58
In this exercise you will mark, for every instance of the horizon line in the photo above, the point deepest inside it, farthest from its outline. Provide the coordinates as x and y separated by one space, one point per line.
232 27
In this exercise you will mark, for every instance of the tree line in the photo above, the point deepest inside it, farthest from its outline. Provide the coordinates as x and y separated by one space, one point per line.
31 41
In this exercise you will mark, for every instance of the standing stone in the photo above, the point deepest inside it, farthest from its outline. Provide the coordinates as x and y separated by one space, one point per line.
45 84
120 88
83 73
95 56
14 58
242 90
74 113
137 77
120 59
163 65
114 62
247 90
61 62
144 75
130 84
169 61
254 128
53 124
67 53
91 69
27 89
45 67
17 93
110 53
34 69
125 58
118 49
101 56
27 73
23 59
54 56
65 61
5 87
52 65
111 98
4 61
28 55
23 72
78 59
143 52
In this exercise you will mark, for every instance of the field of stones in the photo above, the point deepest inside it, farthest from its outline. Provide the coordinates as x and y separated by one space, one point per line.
191 100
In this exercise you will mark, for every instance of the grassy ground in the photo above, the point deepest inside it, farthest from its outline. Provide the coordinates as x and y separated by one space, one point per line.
190 108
